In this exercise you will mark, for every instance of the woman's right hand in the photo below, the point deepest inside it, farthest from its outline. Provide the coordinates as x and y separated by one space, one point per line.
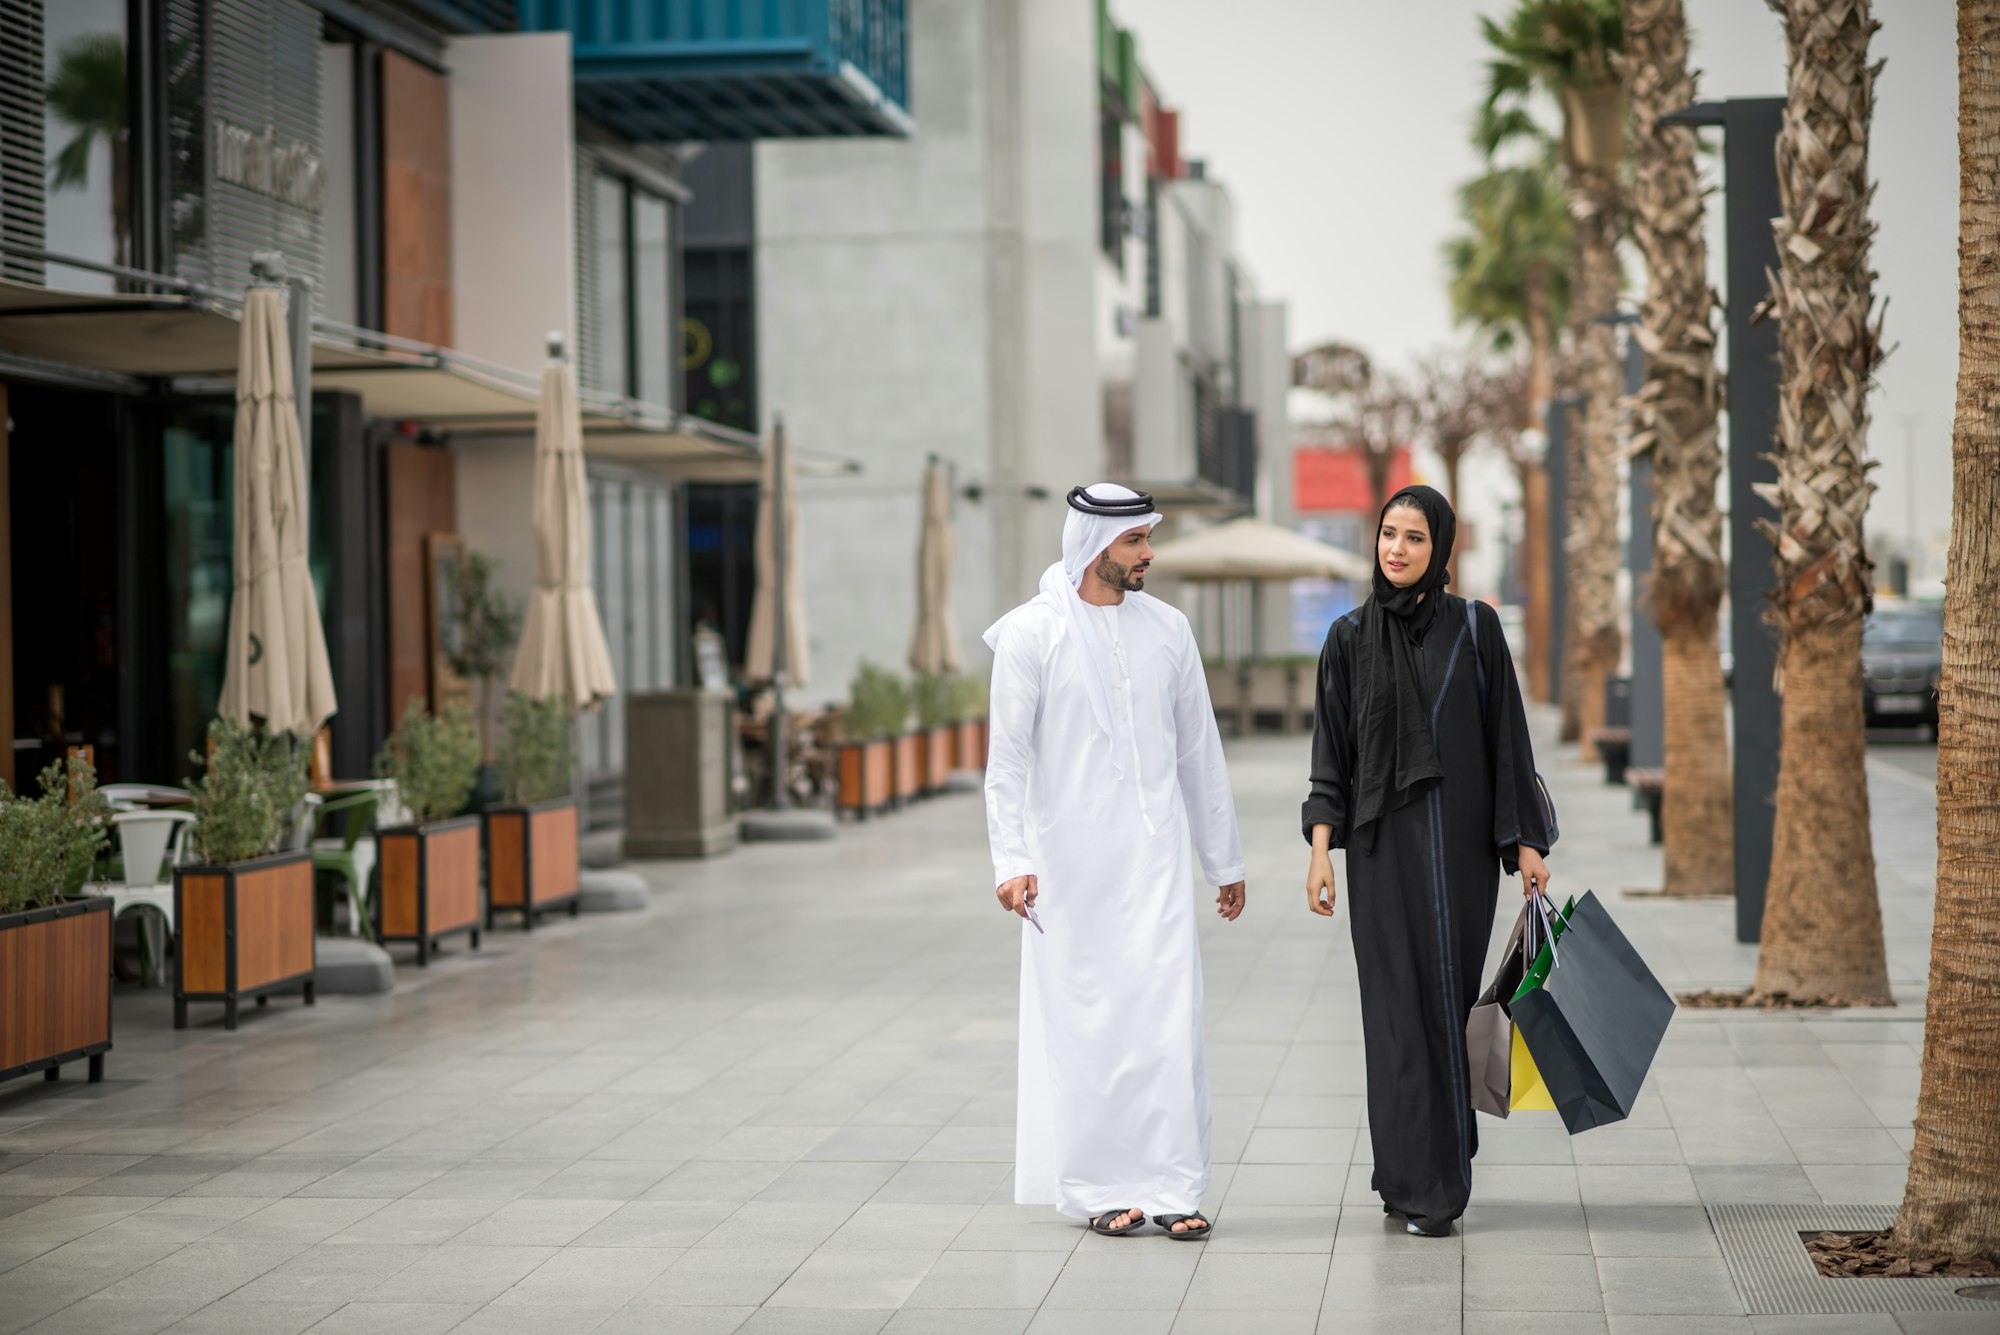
1319 884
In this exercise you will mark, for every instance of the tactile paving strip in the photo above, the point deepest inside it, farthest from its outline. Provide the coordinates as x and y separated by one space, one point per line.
1776 1277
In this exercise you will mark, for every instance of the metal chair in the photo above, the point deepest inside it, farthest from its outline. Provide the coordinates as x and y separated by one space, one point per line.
350 856
150 845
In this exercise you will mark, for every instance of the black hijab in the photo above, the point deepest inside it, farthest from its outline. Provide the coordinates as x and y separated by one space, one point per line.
1394 753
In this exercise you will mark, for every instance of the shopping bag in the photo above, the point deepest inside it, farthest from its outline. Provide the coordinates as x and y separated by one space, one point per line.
1527 1088
1490 1045
1594 1022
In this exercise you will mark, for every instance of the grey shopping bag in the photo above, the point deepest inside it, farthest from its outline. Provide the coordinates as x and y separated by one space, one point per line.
1489 1030
1594 1025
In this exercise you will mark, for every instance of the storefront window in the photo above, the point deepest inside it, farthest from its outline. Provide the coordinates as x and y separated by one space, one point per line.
719 358
652 296
612 286
87 131
633 352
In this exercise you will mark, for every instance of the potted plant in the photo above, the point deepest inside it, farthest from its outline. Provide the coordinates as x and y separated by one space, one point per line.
968 696
478 643
427 871
937 733
864 757
243 914
531 834
55 952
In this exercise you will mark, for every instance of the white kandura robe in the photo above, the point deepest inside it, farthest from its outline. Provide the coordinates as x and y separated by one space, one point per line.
1113 1094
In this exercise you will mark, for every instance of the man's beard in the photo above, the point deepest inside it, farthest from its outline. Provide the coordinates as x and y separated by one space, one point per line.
1126 579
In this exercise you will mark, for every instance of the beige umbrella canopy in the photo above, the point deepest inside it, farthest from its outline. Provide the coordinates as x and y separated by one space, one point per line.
778 544
276 667
934 646
1255 549
562 651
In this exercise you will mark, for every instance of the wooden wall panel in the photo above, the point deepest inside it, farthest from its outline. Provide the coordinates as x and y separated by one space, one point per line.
421 500
416 202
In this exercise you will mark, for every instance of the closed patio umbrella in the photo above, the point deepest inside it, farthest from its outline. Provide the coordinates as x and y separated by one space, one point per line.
934 646
276 666
563 652
772 657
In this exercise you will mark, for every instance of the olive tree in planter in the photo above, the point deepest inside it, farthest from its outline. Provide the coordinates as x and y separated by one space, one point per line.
243 914
878 708
55 952
479 643
427 871
936 730
531 834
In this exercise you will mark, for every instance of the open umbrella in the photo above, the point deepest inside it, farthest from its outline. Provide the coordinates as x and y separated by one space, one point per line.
563 652
934 646
276 666
1252 548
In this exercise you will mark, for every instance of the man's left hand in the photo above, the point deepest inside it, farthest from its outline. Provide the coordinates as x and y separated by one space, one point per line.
1229 901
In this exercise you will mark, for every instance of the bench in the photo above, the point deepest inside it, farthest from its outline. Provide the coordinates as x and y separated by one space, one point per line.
1647 786
1614 747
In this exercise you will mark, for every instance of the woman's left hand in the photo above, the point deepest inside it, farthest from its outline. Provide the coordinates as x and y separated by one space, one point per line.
1534 871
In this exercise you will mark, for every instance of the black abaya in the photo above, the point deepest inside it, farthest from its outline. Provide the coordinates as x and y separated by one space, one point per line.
1422 885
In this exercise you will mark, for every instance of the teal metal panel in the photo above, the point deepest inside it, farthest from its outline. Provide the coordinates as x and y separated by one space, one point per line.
726 70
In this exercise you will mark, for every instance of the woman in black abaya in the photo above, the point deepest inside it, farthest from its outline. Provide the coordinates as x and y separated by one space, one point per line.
1431 791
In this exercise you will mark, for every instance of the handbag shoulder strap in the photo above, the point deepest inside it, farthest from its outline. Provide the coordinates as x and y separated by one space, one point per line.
1478 664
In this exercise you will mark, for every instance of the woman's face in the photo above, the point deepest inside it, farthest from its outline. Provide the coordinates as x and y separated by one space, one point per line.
1404 545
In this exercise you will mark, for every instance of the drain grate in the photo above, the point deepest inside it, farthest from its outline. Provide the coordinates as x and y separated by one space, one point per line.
1776 1277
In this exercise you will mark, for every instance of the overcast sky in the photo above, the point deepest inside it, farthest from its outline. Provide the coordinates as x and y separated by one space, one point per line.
1340 126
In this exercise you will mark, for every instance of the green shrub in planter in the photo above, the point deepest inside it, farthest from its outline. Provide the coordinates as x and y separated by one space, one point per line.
968 698
434 760
251 782
534 748
932 693
878 703
47 843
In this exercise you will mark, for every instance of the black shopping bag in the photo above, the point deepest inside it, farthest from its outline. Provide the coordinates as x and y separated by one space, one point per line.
1594 1025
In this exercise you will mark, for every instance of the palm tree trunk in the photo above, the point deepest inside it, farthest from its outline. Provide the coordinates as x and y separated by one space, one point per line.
1593 640
1950 1206
1675 422
1822 920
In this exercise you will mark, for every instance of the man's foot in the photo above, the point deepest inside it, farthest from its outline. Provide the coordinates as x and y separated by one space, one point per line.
1183 1225
1117 1223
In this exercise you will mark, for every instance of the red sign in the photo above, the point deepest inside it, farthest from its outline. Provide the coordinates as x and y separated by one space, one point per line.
1334 479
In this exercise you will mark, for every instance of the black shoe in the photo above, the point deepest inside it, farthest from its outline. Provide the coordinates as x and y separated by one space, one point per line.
1419 1229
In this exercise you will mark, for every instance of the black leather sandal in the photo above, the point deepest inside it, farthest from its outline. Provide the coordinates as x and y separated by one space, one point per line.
1167 1221
1098 1225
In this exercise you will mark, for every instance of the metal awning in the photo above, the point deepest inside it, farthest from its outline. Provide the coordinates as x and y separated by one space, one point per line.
135 334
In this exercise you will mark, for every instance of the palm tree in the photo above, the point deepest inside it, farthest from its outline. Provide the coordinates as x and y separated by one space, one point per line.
1949 1205
1569 49
1509 279
1675 422
88 95
1822 921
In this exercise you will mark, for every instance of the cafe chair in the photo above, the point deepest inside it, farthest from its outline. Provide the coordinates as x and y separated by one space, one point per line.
350 855
150 845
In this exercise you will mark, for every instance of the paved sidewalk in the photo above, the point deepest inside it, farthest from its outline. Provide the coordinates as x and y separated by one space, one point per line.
782 1102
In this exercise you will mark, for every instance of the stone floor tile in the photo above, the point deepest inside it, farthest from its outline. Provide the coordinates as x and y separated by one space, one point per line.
234 1315
1152 1279
1945 1323
1626 1145
161 1175
879 1144
1299 1145
1636 1184
330 1273
1858 1184
584 1277
726 1180
487 1180
811 1321
1313 1111
1710 1324
377 1318
1203 1322
1231 1282
991 1280
1412 1282
602 1180
922 1321
847 1181
1525 1228
536 1223
456 1273
1365 1229
1275 1229
1502 1283
779 1225
104 1316
298 1220
854 1279
1654 1286
1878 1323
724 1276
1089 1321
657 1224
1754 1184
1535 1323
56 1174
945 1183
644 1316
893 1226
1332 1322
1287 1184
769 1144
413 1223
1652 1230
202 1272
380 1176
1002 1226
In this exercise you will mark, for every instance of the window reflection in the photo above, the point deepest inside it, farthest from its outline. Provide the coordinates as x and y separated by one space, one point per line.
87 133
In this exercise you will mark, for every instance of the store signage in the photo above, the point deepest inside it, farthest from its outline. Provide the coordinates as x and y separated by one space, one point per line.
288 171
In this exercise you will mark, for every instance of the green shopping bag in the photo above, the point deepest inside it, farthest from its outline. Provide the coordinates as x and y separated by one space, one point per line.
1554 924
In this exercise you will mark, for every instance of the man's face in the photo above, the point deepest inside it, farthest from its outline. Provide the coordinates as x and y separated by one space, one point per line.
1123 564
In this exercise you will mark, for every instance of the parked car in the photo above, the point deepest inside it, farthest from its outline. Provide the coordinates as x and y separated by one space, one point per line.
1902 653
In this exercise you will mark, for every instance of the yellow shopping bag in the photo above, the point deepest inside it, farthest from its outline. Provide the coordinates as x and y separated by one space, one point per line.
1526 1088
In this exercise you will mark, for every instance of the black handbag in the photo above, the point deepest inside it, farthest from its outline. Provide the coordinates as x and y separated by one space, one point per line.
1479 677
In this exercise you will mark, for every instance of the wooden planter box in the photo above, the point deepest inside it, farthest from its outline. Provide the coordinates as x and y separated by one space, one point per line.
972 743
243 929
938 746
429 883
531 859
864 770
55 988
907 776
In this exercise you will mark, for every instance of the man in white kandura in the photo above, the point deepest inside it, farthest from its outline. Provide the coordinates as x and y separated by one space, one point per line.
1103 758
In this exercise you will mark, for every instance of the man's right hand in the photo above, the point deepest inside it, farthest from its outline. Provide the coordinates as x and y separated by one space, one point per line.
1016 895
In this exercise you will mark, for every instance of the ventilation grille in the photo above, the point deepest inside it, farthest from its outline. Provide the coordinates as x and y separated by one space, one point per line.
23 153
